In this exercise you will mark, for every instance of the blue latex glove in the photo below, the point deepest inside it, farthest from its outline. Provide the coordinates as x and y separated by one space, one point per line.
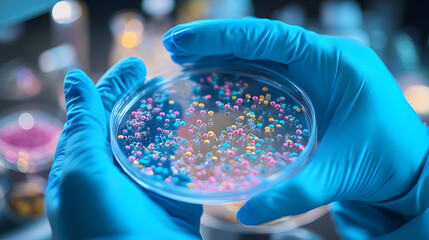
87 196
372 146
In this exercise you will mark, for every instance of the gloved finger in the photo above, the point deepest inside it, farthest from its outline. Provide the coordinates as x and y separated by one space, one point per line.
307 190
244 38
86 125
59 157
185 215
52 191
119 79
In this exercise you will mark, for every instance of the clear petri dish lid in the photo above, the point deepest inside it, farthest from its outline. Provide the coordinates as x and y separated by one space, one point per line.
213 132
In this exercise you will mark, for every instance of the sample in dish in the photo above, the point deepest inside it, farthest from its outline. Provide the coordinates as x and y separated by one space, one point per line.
28 139
213 132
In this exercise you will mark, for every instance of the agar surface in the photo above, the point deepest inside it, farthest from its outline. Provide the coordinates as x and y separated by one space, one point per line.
217 133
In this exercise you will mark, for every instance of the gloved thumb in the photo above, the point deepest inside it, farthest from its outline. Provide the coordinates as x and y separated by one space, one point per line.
86 125
307 190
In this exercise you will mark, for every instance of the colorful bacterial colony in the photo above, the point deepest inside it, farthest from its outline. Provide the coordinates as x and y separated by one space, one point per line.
213 133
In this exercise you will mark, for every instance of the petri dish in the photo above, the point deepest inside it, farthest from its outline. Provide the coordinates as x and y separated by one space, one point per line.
213 132
28 139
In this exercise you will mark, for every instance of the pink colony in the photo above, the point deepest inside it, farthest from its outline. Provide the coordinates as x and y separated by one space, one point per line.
212 179
199 183
255 180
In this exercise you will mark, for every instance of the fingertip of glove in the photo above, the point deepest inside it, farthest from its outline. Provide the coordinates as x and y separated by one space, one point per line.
75 78
243 218
132 63
174 37
74 75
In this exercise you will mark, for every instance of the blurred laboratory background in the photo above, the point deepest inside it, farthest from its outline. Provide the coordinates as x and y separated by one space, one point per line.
41 40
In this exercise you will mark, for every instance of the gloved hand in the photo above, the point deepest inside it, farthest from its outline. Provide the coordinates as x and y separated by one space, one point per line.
87 196
372 145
